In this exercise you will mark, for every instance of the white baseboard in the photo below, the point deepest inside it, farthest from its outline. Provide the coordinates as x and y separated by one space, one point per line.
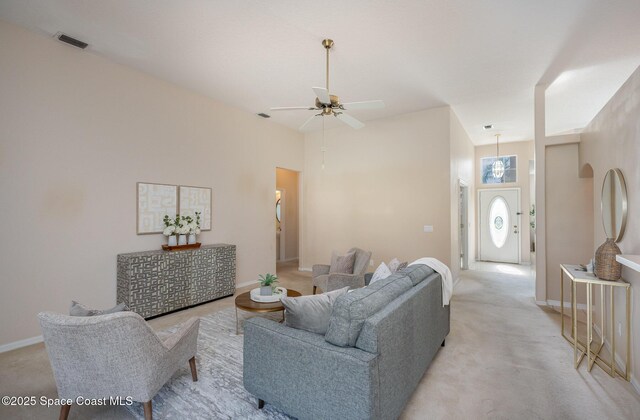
287 260
567 305
304 269
246 283
619 362
20 343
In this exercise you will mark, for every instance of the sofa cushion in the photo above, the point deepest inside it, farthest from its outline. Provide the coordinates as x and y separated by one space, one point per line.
78 309
311 313
416 273
343 263
351 310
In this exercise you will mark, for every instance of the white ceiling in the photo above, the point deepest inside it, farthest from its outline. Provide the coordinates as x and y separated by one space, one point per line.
481 57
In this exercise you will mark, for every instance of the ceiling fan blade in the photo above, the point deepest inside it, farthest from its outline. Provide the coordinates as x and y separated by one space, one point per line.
363 105
322 94
292 108
349 120
308 121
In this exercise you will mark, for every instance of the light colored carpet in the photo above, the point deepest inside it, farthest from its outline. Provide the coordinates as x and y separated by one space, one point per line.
504 359
219 393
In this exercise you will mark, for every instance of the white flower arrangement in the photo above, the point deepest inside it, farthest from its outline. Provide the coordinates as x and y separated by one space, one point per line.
182 229
181 225
170 225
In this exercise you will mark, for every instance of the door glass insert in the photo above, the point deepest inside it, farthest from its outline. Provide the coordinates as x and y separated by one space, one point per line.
498 221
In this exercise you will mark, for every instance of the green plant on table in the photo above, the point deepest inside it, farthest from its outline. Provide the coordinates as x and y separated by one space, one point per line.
268 280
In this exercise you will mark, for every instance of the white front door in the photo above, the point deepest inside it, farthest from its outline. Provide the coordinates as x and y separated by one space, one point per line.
500 225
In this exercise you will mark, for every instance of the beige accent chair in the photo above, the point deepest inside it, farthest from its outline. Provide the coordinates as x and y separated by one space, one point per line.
331 281
115 355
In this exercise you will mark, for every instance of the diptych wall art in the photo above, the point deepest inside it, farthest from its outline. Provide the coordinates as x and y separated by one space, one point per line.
193 199
156 200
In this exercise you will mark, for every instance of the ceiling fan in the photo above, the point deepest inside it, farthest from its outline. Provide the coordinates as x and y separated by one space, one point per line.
329 104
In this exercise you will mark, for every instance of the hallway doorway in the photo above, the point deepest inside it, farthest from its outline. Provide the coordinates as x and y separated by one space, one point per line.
287 208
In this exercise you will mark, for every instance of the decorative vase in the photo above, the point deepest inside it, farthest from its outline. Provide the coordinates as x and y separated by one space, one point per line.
266 291
182 240
172 240
606 266
192 238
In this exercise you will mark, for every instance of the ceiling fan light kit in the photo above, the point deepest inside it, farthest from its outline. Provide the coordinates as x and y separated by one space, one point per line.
327 104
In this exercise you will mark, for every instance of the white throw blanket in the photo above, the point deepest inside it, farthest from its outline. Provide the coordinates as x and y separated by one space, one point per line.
442 269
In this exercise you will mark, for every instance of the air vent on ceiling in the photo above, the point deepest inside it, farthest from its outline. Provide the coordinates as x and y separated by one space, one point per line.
71 41
263 115
488 127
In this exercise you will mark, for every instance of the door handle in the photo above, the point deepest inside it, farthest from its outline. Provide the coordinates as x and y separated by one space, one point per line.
515 229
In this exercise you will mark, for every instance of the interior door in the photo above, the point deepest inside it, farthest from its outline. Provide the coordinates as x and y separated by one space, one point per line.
463 206
499 221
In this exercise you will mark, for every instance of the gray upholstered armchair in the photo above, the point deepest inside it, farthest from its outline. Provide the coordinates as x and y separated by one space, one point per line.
114 355
327 281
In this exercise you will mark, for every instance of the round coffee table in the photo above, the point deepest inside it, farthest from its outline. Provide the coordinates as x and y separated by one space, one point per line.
244 302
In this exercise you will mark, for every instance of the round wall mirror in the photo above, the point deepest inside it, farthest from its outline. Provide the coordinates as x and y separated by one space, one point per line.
613 204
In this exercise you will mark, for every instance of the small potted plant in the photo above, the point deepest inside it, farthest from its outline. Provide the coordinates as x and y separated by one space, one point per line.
170 230
267 284
182 229
194 228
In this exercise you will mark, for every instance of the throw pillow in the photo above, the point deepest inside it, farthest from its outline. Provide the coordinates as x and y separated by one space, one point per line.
393 265
78 309
381 273
342 263
311 313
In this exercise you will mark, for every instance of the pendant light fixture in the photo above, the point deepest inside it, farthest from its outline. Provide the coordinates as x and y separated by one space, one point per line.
498 166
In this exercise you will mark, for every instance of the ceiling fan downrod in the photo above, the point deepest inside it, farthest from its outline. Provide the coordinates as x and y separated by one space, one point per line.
327 44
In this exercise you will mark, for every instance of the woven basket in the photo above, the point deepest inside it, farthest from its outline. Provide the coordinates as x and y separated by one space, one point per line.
607 268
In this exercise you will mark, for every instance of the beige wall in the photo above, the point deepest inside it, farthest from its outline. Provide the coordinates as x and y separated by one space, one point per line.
569 219
612 140
381 185
288 181
525 152
76 134
462 169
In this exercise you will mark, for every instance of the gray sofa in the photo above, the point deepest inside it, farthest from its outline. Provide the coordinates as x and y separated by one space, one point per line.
380 341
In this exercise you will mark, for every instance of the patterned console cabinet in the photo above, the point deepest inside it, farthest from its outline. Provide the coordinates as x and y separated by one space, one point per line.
152 283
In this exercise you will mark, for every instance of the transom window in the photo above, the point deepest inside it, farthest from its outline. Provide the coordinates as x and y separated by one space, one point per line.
510 167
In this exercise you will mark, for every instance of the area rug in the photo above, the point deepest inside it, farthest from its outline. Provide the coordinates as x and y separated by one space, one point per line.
219 393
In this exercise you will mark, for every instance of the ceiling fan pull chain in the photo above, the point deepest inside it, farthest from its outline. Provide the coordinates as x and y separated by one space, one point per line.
324 149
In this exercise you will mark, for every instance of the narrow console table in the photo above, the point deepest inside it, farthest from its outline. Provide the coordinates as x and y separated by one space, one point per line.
153 283
577 276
